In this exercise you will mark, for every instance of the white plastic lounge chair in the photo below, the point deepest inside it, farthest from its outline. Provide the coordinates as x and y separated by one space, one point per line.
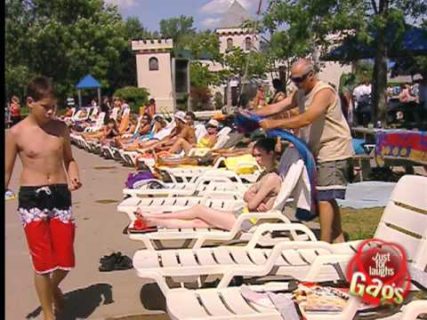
407 201
168 204
98 124
93 114
229 304
197 237
229 201
110 152
81 142
292 259
114 113
208 182
187 173
200 131
130 157
77 116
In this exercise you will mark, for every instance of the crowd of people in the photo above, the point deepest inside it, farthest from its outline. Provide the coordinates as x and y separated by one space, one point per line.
406 103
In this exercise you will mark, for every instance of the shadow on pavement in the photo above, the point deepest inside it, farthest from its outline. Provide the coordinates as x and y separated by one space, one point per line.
81 303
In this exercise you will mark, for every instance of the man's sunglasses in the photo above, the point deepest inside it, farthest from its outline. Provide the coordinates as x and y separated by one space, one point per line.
300 79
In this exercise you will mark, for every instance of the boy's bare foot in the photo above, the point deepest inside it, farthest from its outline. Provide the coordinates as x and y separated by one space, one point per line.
58 300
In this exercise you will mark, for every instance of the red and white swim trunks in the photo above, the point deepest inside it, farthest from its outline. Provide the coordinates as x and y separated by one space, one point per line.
49 227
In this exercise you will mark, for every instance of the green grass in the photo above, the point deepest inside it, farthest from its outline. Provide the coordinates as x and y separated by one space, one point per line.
360 223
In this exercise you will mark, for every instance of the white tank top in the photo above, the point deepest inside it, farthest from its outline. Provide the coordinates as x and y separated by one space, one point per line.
328 137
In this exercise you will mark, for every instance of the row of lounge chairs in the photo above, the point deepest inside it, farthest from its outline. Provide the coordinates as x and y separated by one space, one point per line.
273 254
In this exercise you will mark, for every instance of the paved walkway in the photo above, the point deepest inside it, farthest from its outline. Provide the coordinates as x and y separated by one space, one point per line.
90 294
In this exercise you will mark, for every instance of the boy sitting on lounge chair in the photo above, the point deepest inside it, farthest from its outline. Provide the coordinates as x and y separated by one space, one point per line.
260 197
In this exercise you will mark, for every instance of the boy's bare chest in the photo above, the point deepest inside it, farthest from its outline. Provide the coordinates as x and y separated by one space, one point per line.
39 144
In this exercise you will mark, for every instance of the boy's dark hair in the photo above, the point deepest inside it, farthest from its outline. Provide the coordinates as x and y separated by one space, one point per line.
40 88
266 144
191 114
152 101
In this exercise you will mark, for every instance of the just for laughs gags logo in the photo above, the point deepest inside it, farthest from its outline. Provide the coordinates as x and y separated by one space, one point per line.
378 273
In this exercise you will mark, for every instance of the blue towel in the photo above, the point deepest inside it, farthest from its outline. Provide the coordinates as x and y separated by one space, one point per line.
251 122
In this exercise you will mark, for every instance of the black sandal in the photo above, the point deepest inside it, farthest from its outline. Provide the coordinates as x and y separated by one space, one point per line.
124 263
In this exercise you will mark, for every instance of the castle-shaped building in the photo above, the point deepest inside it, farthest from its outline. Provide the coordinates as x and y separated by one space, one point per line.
166 77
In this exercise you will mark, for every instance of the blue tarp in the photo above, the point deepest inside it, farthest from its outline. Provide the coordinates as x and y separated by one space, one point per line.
88 82
369 194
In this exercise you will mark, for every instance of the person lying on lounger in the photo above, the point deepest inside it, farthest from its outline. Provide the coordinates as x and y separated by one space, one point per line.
207 141
207 159
182 130
259 197
130 138
108 131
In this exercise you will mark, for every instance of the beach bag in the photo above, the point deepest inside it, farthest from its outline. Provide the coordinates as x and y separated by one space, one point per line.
139 178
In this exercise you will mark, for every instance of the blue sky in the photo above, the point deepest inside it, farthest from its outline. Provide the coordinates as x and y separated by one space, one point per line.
206 13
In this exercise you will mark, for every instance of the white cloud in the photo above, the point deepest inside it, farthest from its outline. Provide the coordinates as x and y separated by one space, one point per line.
122 4
210 22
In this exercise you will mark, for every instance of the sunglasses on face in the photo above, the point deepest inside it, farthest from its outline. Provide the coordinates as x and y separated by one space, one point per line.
300 79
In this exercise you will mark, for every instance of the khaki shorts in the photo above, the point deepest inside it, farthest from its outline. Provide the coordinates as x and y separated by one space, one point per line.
332 179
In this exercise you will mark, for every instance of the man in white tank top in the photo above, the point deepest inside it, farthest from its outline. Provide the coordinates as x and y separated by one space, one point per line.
322 125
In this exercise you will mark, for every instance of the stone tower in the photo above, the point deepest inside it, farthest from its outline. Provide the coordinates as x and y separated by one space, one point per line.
155 70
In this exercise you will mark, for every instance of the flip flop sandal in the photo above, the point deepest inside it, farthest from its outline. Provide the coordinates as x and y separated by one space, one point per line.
145 230
139 226
124 263
114 255
107 265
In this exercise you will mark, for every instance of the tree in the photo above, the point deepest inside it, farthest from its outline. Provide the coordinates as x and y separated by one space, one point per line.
202 45
246 64
176 27
365 20
134 30
63 40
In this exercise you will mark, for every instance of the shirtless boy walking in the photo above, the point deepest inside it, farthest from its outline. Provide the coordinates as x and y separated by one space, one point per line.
49 174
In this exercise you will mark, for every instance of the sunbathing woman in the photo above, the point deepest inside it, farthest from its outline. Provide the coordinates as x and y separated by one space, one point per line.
260 197
108 131
132 142
182 130
207 141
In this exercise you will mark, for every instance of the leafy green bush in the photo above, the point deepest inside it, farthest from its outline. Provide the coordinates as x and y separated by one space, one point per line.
135 97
